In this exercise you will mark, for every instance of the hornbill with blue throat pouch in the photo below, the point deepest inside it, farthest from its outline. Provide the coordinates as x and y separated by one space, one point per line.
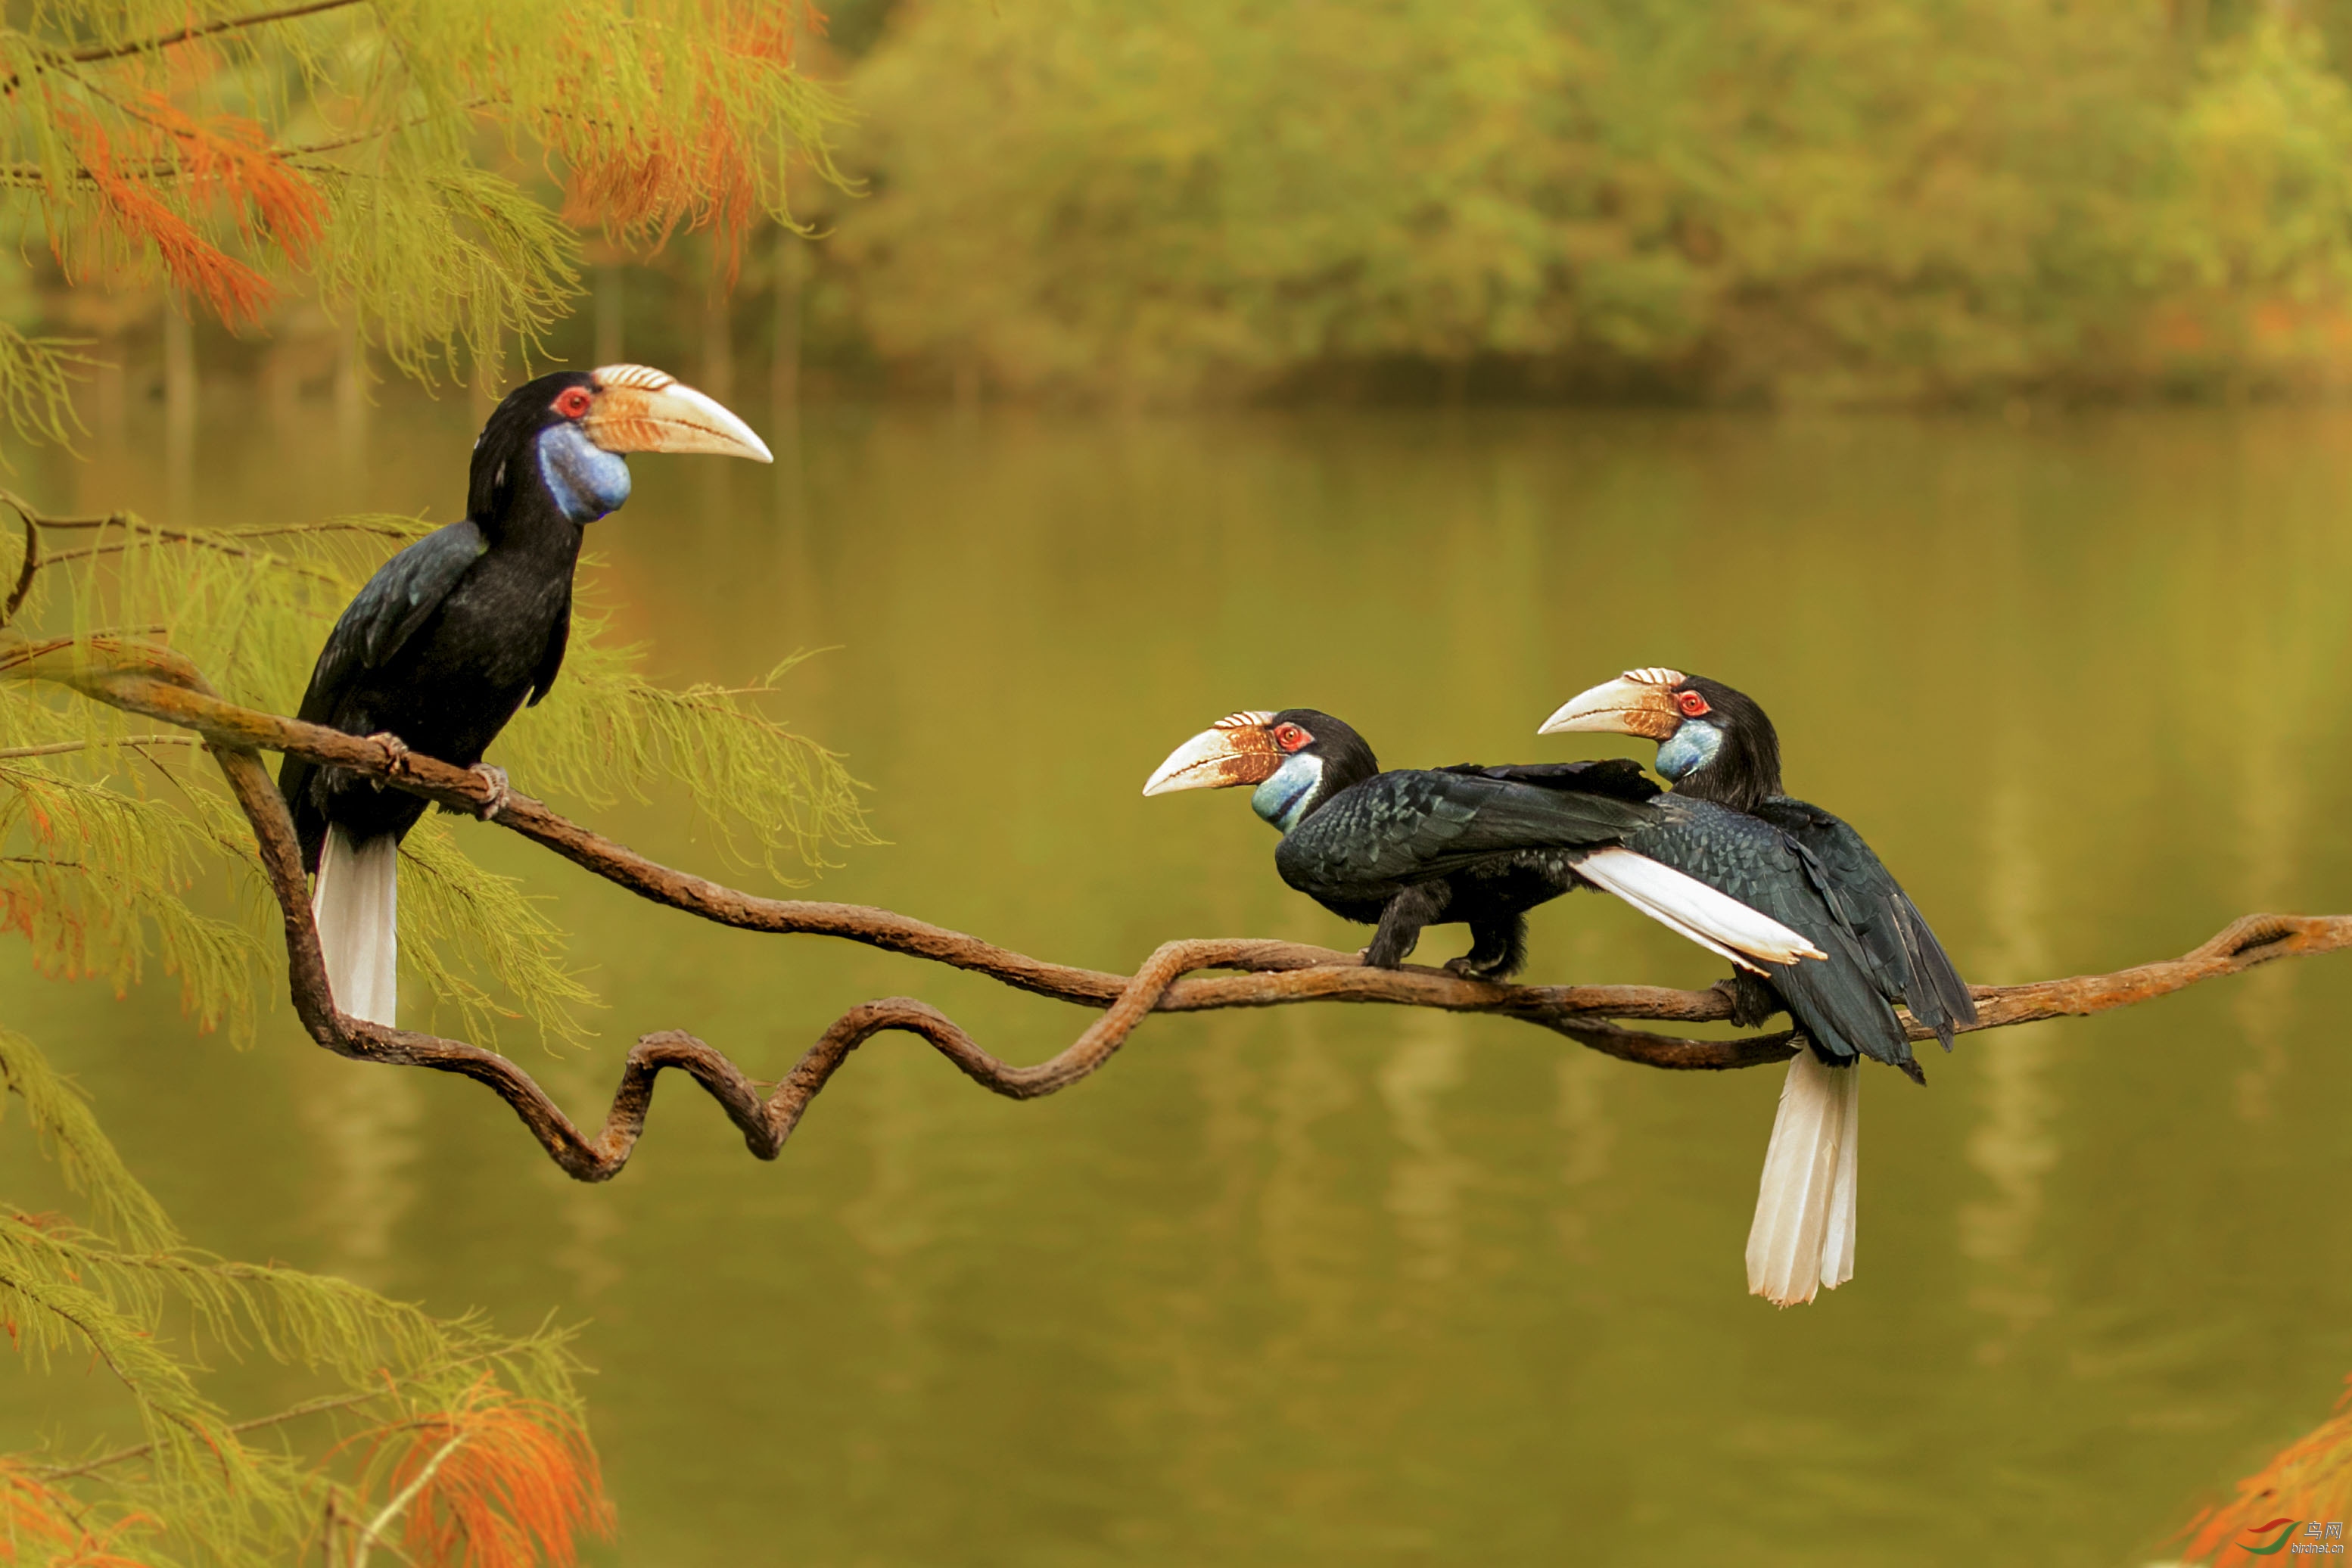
452 634
1416 847
1727 823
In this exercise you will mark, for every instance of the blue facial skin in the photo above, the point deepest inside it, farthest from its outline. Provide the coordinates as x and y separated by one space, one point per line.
1687 750
1283 798
586 481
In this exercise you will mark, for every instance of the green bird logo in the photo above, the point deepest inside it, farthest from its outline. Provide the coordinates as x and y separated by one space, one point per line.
2275 1547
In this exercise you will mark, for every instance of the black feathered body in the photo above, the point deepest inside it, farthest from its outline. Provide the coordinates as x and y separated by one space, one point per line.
1415 848
1841 1000
450 638
1884 953
1906 962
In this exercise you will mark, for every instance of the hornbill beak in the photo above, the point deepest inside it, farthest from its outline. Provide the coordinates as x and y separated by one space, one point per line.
1237 750
641 409
1639 702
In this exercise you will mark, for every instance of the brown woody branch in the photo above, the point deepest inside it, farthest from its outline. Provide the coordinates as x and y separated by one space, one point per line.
154 681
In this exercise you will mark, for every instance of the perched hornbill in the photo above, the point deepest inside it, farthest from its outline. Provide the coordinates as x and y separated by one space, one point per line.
1407 849
450 635
1727 823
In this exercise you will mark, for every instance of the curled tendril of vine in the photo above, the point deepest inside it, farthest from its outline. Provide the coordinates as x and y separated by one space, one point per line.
161 684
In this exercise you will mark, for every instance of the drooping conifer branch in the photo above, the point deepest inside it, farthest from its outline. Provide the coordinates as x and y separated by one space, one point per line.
160 684
202 31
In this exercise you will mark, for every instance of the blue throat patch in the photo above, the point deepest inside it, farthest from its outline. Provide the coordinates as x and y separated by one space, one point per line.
1281 799
586 481
1687 750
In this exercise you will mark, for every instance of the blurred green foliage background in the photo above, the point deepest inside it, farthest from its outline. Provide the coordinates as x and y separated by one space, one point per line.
1728 199
1918 202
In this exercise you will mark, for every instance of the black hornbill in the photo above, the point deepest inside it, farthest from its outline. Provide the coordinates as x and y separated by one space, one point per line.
451 635
1416 847
1727 823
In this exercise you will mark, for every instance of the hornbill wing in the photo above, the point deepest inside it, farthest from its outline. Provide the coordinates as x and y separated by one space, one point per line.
382 615
380 619
1838 1001
1399 828
1908 964
1621 777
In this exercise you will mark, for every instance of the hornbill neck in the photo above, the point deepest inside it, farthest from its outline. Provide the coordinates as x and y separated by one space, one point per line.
532 522
1309 778
537 482
1732 756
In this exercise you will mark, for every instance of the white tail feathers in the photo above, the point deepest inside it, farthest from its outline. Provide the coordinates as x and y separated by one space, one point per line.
1803 1239
1716 922
357 911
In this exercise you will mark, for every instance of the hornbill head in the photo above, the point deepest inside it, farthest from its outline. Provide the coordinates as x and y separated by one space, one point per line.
1713 743
1297 759
571 430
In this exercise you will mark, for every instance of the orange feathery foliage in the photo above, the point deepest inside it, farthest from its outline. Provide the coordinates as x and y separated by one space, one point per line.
2309 1479
32 904
651 180
517 1488
224 158
39 1525
232 158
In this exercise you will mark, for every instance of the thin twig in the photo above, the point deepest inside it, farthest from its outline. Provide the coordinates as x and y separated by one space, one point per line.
60 748
198 30
161 684
140 1450
90 552
406 1496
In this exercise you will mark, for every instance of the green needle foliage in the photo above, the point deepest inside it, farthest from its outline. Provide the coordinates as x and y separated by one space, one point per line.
425 168
120 849
203 1485
423 164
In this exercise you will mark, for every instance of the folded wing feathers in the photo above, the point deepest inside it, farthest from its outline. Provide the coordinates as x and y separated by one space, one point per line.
1715 920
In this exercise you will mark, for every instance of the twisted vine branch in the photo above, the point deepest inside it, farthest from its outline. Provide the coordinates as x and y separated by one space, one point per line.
154 681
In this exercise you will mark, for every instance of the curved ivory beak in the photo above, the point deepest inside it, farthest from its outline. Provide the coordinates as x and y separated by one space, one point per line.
1236 749
1639 702
641 409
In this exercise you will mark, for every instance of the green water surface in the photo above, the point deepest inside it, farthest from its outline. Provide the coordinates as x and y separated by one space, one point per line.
1348 1285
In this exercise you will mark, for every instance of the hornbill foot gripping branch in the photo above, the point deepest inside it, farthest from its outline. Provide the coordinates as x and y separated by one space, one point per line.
158 683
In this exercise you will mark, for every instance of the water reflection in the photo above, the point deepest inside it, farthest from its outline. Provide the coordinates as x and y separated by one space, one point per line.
362 1128
2014 1145
2273 831
1426 1182
1336 1285
1587 1138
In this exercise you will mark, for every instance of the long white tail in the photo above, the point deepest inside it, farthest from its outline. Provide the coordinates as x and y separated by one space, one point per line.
1803 1235
1688 907
357 911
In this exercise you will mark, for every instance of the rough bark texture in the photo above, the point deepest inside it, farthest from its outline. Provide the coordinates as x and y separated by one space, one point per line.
155 682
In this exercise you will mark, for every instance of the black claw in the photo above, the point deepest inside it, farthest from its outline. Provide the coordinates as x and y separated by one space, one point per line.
1752 1000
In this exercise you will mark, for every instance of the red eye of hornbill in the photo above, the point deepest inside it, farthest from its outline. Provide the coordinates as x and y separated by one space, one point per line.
573 402
1691 703
1290 737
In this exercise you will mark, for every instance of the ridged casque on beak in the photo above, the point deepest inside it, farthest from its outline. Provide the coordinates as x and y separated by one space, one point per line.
1238 749
641 409
1639 702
